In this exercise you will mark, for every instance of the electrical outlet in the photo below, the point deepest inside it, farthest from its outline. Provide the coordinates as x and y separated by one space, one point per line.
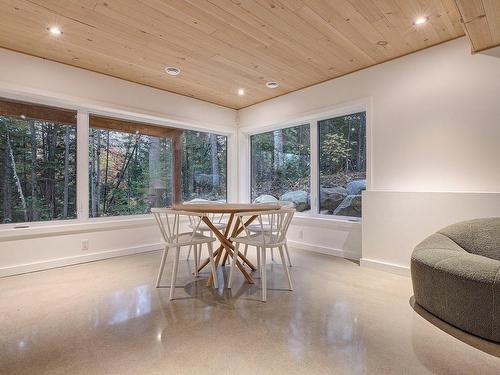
85 244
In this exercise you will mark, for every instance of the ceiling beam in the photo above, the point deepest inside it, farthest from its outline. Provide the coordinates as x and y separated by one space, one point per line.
481 20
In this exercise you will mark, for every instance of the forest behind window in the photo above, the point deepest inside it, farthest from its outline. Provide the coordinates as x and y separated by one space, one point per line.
280 166
37 163
342 164
133 167
204 166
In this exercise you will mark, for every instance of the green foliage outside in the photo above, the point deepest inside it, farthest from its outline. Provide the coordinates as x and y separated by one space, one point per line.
342 142
125 178
280 161
37 170
342 160
130 173
204 166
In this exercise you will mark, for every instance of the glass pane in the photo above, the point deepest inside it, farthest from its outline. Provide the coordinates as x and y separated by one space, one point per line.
342 164
280 162
37 163
204 166
135 166
128 173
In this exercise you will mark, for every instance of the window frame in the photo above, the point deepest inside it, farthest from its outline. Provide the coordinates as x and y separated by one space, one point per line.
83 112
56 107
313 119
268 131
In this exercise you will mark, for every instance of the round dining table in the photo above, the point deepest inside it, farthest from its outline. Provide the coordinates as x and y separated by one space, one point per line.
233 228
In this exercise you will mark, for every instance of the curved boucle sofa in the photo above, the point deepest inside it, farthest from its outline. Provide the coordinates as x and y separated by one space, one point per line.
456 276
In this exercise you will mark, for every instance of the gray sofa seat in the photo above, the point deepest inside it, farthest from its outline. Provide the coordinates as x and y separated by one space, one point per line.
456 276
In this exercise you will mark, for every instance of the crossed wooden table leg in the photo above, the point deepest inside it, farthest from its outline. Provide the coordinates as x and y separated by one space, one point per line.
226 248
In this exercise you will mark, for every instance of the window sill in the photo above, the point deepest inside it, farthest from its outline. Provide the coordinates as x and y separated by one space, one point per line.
13 232
326 220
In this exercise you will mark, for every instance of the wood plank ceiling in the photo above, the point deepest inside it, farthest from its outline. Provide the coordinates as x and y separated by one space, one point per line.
224 45
481 19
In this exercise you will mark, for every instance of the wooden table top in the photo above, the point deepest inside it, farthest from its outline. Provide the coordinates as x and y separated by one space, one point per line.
225 208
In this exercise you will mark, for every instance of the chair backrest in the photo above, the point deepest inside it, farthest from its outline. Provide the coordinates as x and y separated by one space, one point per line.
168 221
214 218
282 204
277 222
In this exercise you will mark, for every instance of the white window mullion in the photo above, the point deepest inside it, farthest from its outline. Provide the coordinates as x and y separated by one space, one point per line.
314 167
82 165
245 168
232 168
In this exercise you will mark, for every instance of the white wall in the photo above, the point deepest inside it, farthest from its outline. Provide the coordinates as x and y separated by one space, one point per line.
435 127
435 123
36 248
49 81
326 236
46 245
395 222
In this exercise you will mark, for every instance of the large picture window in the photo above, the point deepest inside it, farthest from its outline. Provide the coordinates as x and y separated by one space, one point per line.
135 166
342 164
280 166
130 167
204 166
37 163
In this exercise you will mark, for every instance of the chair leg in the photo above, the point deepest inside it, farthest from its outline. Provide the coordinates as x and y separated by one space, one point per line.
199 253
259 268
288 255
264 274
162 266
272 254
285 268
196 262
189 252
174 272
233 264
212 264
245 251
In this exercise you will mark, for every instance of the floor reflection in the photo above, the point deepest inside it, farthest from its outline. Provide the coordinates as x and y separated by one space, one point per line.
125 306
486 346
340 319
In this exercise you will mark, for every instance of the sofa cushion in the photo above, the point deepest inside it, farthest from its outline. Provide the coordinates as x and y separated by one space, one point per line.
480 236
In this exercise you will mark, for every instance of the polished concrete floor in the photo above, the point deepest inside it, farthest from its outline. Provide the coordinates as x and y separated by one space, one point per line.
108 318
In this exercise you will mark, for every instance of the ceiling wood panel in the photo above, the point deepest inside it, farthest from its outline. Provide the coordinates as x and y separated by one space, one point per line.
224 45
481 19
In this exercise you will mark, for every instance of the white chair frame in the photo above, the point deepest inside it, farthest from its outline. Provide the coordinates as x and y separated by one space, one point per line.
168 221
256 228
273 237
216 220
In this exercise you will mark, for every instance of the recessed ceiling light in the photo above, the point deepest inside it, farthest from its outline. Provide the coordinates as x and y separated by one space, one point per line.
241 92
54 30
272 84
420 20
172 70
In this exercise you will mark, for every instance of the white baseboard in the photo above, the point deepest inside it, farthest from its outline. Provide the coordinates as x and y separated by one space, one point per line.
384 266
325 250
66 261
